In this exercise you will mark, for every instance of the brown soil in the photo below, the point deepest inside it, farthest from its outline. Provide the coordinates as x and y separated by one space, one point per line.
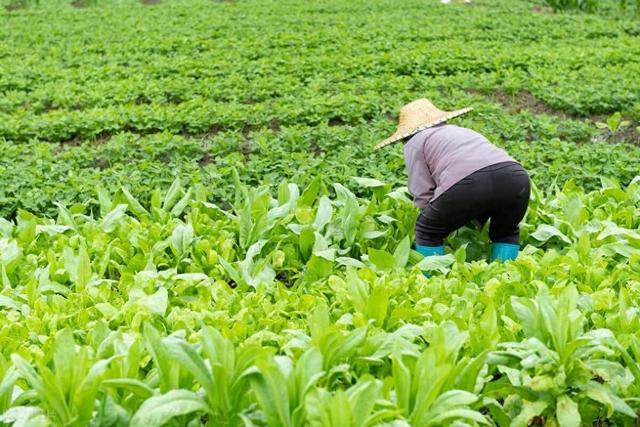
316 149
274 125
537 421
206 158
75 142
79 4
12 7
71 143
526 101
627 135
100 164
213 131
58 148
141 100
149 2
541 9
246 145
249 101
336 121
521 101
103 137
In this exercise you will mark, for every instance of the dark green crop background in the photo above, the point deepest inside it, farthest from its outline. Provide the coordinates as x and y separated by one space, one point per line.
134 95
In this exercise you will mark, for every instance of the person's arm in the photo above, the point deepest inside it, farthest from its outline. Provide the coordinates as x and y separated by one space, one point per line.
421 184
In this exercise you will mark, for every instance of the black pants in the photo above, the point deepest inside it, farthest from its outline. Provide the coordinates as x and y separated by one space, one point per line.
499 192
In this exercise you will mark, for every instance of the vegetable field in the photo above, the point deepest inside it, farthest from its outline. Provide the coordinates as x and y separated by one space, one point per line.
195 230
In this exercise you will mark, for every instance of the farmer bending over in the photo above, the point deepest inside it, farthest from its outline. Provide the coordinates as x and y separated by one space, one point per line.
457 176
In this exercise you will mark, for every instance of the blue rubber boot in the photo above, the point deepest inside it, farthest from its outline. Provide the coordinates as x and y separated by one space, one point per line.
429 251
504 251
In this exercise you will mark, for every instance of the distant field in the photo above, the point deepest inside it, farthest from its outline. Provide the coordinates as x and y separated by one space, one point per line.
137 94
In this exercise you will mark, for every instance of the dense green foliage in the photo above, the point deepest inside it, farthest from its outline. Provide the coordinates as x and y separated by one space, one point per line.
314 86
194 229
626 6
328 313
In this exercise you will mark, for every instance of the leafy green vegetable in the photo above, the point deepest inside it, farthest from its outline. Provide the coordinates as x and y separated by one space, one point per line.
195 230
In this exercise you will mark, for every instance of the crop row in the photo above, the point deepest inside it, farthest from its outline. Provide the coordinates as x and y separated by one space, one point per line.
143 77
146 71
328 311
34 176
199 115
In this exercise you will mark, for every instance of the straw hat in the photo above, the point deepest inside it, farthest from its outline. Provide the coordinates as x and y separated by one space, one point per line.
418 116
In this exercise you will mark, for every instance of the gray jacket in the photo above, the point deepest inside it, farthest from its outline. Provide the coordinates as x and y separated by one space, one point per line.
440 156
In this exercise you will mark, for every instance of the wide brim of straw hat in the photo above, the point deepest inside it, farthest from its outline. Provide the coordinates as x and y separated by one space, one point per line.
424 116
